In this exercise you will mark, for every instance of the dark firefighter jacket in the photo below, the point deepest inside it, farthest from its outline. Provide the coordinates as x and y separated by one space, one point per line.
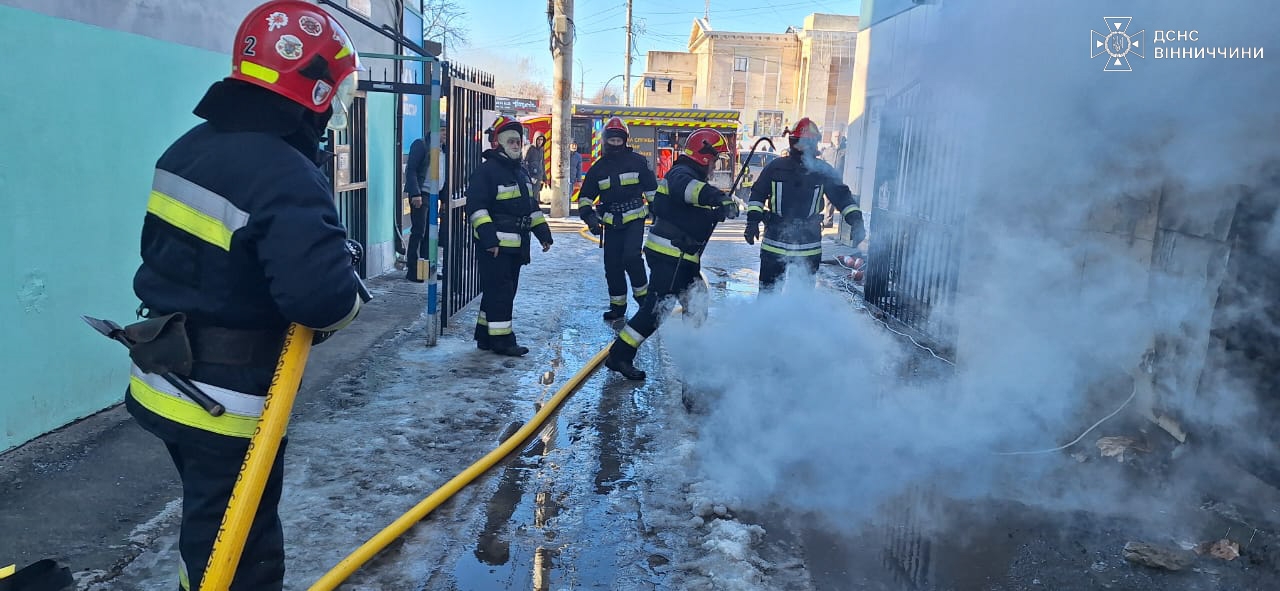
787 197
502 208
616 185
241 229
241 233
686 210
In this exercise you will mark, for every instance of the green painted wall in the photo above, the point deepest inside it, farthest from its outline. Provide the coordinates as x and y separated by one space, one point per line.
382 167
82 126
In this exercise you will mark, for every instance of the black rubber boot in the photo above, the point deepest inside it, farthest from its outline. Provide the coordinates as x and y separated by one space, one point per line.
511 350
626 368
616 313
483 345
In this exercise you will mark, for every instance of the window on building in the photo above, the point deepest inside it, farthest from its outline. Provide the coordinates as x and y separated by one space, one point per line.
768 123
361 6
739 64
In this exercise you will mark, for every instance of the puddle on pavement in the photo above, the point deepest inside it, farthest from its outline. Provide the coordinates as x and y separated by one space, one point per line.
520 546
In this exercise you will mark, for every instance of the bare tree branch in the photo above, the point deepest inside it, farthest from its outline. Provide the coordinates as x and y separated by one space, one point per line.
444 21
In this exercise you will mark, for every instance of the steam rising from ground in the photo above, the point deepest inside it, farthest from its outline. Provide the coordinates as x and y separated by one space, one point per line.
1059 303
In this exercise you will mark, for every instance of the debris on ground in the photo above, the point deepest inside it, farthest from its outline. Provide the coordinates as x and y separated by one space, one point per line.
1154 556
1224 549
1120 447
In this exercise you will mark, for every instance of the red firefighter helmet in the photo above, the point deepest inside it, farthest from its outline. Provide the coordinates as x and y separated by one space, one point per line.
704 146
295 49
615 127
805 128
501 124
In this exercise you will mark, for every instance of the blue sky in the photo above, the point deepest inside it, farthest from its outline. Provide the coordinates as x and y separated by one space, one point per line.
521 31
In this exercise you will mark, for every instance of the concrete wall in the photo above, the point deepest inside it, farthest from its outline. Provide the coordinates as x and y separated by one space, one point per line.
678 66
75 173
773 61
383 192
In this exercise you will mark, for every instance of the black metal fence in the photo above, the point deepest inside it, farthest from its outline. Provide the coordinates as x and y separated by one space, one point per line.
349 173
470 92
916 219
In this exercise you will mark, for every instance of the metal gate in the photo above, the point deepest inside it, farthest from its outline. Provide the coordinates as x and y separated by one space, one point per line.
350 177
916 219
469 94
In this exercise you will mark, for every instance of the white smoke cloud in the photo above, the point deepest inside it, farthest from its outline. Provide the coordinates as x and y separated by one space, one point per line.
1067 169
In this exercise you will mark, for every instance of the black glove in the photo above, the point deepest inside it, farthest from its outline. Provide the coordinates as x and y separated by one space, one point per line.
854 220
596 228
753 232
730 210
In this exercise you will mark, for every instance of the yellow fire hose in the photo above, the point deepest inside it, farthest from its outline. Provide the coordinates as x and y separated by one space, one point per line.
366 552
247 492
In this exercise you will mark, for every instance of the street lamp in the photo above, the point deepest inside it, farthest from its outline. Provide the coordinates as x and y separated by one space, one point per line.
582 81
609 81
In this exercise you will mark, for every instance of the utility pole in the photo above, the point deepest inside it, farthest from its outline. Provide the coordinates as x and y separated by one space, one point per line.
626 73
562 108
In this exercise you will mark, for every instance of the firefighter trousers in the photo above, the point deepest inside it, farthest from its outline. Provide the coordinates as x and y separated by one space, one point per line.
773 266
668 276
499 279
623 258
208 465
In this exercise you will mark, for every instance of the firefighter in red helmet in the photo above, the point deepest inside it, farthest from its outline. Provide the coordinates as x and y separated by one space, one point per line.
503 210
787 197
686 209
240 239
612 203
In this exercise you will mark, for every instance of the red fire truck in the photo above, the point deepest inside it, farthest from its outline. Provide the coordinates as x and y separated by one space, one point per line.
656 133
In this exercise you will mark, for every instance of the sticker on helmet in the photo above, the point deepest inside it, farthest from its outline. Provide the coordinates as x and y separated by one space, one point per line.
310 26
277 20
320 92
289 47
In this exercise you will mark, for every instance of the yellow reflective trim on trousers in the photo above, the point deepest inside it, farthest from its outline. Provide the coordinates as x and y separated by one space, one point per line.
189 413
790 253
183 580
262 73
668 250
631 337
189 220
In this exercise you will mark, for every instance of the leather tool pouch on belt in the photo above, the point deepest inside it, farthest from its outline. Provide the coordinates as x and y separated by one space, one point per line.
161 344
621 207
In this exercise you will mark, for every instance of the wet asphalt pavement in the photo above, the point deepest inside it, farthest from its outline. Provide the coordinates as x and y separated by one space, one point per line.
607 495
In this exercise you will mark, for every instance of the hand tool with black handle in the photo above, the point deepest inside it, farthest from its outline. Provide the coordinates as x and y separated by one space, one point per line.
115 332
